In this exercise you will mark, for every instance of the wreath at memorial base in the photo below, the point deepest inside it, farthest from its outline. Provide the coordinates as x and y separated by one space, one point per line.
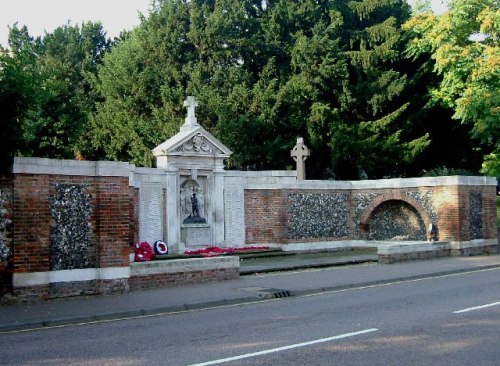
160 247
143 252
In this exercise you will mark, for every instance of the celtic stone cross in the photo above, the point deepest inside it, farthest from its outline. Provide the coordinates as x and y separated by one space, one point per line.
300 153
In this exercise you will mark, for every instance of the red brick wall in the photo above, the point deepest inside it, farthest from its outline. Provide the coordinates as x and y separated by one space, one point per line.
181 278
113 217
110 219
264 216
446 202
32 222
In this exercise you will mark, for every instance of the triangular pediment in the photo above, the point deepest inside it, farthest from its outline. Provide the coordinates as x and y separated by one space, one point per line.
194 142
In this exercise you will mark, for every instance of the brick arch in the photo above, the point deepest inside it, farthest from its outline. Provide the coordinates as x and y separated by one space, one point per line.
368 211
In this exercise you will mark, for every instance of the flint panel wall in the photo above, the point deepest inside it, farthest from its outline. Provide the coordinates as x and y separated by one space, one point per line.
459 208
6 233
72 225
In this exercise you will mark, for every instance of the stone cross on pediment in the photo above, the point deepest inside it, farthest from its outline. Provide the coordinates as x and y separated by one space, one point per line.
299 153
190 122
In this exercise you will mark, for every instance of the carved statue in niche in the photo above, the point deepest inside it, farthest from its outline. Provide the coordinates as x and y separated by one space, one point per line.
192 203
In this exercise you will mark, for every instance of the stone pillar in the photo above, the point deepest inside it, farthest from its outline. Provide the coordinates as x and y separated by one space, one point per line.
173 214
218 207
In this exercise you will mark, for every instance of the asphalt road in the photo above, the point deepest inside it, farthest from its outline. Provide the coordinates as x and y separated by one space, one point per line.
451 320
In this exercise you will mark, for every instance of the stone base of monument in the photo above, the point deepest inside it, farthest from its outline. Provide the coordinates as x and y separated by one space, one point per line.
173 272
196 235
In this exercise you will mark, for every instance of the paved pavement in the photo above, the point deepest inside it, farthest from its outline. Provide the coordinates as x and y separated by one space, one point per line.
297 261
245 289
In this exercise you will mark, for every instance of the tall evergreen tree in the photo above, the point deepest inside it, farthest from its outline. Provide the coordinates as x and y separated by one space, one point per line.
266 73
373 137
52 96
19 82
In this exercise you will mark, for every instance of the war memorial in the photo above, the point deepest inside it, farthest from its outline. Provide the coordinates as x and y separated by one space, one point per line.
69 227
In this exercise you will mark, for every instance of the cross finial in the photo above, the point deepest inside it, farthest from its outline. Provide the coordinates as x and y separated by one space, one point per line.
190 122
300 153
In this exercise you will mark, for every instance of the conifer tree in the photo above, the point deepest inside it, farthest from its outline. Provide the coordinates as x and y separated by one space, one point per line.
46 83
265 73
372 140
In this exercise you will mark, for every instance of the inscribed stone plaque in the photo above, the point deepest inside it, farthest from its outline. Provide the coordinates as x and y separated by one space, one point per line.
151 212
234 212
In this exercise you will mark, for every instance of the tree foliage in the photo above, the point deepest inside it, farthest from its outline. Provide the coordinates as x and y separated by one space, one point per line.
464 43
45 91
265 73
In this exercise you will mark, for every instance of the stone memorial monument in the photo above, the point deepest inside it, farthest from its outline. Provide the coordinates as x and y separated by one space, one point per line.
193 160
300 153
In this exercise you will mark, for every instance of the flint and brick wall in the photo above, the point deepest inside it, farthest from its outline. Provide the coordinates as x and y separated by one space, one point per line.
70 221
67 227
108 220
6 233
460 209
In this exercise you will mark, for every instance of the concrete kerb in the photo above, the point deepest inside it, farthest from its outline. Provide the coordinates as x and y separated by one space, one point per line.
123 315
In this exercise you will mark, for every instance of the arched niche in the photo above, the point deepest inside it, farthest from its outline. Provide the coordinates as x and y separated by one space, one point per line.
192 202
396 220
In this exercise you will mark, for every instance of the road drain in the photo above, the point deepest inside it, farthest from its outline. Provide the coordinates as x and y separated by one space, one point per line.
268 293
274 293
280 294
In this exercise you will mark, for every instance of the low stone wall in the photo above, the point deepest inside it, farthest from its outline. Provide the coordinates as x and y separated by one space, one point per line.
164 273
402 252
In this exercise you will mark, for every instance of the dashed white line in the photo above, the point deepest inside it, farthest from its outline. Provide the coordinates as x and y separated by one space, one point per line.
476 308
285 348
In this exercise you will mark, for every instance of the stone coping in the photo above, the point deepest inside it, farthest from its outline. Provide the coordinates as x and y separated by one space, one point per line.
24 165
391 183
260 173
21 279
410 247
271 179
183 265
390 246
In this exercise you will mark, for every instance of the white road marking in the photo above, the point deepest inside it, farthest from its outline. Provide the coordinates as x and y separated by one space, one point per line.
285 348
397 282
476 308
